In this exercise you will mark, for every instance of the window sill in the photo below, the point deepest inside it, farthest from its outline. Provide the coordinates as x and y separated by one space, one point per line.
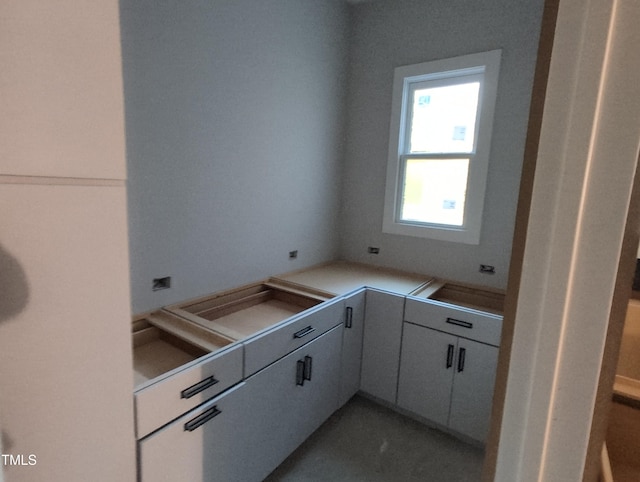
441 233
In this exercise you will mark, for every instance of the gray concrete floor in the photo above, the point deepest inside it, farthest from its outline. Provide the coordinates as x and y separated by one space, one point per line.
364 441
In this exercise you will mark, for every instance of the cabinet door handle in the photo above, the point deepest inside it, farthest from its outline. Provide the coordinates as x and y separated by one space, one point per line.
307 367
450 349
461 356
300 372
201 419
349 320
198 387
464 324
304 332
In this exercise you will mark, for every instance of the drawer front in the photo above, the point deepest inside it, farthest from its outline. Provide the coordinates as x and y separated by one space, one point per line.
483 327
162 402
272 345
208 443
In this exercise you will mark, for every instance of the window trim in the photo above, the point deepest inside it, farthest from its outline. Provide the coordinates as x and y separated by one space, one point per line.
488 63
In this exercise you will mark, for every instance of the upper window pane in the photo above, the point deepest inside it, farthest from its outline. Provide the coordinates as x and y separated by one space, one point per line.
443 119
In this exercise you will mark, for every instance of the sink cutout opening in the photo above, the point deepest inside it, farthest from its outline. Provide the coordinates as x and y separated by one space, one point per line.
467 297
249 310
156 352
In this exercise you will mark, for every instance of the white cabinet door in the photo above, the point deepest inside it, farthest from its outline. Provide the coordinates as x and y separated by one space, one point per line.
472 394
65 331
352 346
381 344
206 444
62 96
426 372
286 407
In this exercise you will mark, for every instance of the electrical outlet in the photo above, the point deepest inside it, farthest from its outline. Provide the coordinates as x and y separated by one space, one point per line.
373 250
487 269
161 283
293 254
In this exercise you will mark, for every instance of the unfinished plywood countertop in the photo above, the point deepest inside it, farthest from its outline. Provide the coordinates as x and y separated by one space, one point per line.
341 277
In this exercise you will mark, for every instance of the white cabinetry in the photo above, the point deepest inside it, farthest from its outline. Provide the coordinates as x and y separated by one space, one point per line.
165 400
206 444
268 346
381 344
288 400
62 96
65 360
444 376
303 359
352 346
426 372
247 431
472 394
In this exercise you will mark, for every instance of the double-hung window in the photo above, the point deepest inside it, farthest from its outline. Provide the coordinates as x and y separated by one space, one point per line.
441 124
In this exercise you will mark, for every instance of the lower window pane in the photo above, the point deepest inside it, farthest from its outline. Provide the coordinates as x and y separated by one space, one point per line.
434 191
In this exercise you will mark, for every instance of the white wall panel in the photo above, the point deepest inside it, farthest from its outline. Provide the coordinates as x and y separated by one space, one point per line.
61 89
65 358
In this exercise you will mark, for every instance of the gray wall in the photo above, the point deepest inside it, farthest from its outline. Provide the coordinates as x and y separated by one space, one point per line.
238 151
390 33
234 139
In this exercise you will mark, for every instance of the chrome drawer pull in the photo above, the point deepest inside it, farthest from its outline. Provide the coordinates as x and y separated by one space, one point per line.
198 387
201 419
464 324
304 332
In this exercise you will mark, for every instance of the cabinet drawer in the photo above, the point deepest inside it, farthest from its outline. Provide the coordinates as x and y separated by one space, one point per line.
269 346
167 399
476 325
207 443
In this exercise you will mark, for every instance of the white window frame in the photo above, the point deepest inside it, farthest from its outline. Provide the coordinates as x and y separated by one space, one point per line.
487 66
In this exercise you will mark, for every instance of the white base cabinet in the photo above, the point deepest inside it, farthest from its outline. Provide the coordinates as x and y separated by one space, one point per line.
206 444
426 372
430 358
448 380
352 346
245 433
381 344
289 400
472 394
445 376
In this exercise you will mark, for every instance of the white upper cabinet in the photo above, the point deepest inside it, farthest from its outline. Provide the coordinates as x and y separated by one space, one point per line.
61 84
